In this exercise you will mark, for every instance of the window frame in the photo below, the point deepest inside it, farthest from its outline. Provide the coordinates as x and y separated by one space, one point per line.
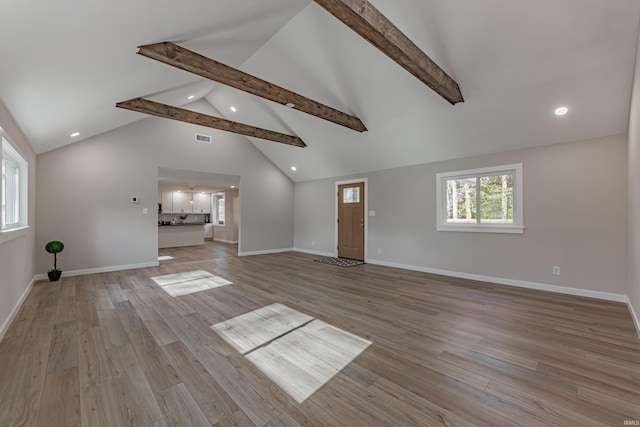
10 154
216 211
518 215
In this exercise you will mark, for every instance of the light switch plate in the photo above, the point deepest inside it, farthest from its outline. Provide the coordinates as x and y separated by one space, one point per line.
372 213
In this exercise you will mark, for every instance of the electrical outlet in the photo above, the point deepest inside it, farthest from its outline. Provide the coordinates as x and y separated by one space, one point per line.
379 250
313 243
555 270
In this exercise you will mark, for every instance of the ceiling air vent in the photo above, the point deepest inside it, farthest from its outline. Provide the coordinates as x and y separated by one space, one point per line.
205 139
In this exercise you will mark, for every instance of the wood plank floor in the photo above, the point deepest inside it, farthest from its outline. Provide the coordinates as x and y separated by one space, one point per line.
114 349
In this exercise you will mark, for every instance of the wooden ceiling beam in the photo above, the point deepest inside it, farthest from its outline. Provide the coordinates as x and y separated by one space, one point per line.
182 58
158 109
373 26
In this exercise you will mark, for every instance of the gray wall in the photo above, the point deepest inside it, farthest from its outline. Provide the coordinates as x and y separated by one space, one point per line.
17 255
634 196
84 191
574 213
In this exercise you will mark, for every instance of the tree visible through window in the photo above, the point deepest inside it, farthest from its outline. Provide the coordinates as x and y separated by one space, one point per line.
219 208
483 197
495 201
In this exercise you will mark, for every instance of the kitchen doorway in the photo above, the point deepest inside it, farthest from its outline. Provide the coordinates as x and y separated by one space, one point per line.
195 207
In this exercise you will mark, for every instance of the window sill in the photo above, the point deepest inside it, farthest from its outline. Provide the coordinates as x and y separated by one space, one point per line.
13 233
511 229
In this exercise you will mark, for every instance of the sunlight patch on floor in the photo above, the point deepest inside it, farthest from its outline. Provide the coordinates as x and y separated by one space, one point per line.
297 352
258 327
165 258
190 282
304 360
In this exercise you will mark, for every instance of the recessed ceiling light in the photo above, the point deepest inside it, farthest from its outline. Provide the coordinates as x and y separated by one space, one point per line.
73 135
191 96
293 168
233 186
561 111
290 105
179 191
203 192
232 108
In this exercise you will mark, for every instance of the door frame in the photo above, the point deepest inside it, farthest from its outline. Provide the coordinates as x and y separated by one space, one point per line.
366 213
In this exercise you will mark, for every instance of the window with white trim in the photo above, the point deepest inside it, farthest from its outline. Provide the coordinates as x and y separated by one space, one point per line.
218 207
14 188
481 200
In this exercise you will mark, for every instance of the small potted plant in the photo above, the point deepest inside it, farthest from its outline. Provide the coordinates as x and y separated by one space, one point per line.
54 247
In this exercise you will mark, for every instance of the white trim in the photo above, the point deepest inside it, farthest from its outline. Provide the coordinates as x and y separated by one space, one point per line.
508 282
365 181
518 210
12 154
101 270
13 233
634 316
16 308
319 253
481 171
268 251
225 241
481 228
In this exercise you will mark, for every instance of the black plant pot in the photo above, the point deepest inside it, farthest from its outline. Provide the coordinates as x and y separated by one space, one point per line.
54 275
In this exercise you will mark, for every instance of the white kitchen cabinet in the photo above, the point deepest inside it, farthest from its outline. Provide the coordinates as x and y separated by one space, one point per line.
182 202
167 202
201 202
208 231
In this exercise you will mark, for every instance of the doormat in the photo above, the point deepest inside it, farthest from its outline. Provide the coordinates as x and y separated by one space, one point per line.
341 262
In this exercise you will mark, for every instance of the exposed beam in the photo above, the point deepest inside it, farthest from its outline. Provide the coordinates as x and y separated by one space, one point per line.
368 22
174 113
182 58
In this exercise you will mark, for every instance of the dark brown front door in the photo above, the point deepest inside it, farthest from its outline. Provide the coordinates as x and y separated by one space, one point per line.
351 221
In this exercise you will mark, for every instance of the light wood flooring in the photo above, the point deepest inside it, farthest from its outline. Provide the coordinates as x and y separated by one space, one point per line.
114 349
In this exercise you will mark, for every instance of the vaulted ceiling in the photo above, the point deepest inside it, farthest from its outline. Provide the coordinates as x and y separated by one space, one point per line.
64 66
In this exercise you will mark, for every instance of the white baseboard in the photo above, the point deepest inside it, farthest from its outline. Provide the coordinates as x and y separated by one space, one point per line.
634 316
269 251
319 253
226 241
101 270
509 282
14 312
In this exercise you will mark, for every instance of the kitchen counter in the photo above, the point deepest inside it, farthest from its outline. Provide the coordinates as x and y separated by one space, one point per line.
189 234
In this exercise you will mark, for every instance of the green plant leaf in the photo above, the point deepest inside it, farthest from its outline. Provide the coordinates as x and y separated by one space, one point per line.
54 247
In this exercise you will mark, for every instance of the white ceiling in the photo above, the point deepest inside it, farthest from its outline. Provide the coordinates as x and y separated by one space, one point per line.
65 64
69 62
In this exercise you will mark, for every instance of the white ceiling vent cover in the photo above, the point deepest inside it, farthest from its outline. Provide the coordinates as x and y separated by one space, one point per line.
205 139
